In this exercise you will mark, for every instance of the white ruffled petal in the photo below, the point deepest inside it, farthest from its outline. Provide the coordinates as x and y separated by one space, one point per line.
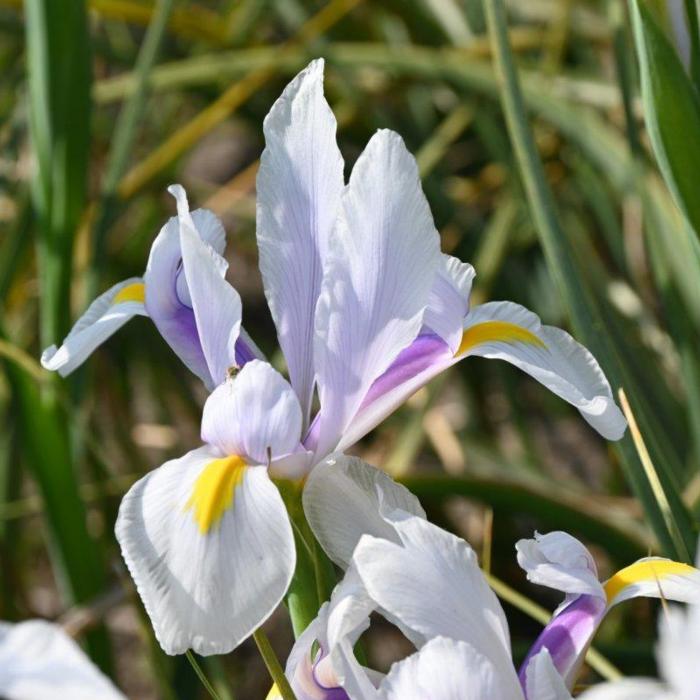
502 330
208 542
445 669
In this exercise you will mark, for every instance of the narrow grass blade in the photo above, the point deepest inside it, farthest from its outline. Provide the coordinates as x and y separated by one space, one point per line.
75 556
671 110
59 99
691 12
125 130
653 478
273 665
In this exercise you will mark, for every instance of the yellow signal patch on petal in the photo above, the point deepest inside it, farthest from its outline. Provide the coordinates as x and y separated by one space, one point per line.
653 570
214 491
496 331
132 292
274 693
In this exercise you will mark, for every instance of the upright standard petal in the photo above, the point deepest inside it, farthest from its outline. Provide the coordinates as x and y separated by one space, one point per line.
378 273
445 669
39 661
209 545
299 186
104 317
343 500
215 303
426 357
256 415
506 331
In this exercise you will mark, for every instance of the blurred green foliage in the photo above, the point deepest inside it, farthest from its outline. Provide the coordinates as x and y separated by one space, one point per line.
102 106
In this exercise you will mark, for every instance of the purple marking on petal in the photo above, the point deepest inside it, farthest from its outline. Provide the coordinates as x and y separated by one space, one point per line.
428 351
568 636
244 352
308 684
310 441
411 361
179 330
165 304
321 668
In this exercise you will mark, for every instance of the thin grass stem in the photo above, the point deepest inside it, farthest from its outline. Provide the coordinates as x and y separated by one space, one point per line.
273 665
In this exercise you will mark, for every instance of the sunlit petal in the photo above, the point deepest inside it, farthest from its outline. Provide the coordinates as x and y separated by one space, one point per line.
167 295
106 315
449 300
431 583
209 545
445 669
255 415
343 497
559 561
506 331
629 689
569 634
543 681
655 577
378 272
298 188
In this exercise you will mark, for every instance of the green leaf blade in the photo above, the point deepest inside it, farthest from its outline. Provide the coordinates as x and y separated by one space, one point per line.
671 109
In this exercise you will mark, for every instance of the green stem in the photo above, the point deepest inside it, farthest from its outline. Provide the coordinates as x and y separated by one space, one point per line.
273 665
313 578
201 675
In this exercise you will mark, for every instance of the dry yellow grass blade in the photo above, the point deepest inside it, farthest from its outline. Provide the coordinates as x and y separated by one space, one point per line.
23 359
194 22
230 100
652 475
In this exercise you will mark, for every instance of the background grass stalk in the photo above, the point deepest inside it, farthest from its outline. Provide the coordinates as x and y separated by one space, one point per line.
592 325
124 133
273 665
201 675
59 102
